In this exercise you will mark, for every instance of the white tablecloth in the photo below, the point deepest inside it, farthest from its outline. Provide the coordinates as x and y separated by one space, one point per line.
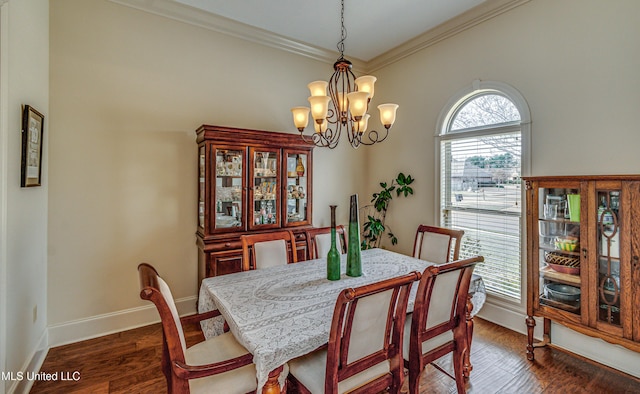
284 312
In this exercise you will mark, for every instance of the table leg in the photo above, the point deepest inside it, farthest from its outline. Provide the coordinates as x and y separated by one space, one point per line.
466 370
273 386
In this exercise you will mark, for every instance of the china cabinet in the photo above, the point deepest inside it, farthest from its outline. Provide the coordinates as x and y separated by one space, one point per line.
583 243
249 181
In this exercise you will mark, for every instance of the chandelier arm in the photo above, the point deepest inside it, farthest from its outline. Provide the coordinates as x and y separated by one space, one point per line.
373 137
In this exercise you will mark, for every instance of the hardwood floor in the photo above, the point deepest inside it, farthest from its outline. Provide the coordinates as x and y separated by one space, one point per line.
129 362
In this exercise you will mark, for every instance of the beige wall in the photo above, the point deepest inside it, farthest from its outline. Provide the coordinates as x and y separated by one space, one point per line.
575 62
128 89
25 80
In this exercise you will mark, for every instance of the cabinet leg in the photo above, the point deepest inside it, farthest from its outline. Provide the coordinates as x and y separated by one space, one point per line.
531 324
546 338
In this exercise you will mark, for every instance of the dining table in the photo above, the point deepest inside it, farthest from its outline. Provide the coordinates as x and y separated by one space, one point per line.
283 312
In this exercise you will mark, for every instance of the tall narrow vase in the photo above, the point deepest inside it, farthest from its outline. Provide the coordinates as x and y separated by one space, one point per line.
333 257
354 263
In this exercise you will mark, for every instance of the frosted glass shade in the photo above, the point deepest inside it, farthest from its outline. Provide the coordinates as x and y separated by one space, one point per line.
365 84
318 88
342 102
362 124
300 117
388 114
319 107
320 128
358 103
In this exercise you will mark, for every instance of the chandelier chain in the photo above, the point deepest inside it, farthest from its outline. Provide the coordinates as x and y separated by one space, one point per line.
343 31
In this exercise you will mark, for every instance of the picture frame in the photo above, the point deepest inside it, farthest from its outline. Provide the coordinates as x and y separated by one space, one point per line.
32 134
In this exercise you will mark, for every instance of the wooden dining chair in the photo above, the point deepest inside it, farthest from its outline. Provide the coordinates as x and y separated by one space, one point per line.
364 353
319 241
437 244
437 325
268 249
216 365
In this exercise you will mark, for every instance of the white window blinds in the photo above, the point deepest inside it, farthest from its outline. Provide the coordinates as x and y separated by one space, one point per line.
480 194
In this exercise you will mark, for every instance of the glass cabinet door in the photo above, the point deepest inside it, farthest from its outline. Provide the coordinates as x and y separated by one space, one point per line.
608 257
265 188
559 248
230 169
297 187
201 185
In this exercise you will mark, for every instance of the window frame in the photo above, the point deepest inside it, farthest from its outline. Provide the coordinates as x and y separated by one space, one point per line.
443 133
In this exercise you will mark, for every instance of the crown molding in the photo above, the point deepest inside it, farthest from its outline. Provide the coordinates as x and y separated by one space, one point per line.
193 16
479 14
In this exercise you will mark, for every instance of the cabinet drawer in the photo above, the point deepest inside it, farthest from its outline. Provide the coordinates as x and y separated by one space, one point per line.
223 263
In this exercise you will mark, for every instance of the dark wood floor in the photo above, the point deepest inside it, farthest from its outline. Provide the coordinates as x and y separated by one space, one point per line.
129 362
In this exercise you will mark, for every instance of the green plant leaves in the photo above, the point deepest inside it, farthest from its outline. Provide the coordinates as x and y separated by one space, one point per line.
373 228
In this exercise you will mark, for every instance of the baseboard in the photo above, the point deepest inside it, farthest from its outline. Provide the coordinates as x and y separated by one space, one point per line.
109 323
595 349
31 367
509 318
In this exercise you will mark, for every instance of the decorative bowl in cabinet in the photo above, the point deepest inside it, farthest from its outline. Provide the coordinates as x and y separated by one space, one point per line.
561 292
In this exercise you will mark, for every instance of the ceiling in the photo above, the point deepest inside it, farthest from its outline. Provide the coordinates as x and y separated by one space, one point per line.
373 26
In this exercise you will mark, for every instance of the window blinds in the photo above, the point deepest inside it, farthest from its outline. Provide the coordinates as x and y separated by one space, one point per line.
480 194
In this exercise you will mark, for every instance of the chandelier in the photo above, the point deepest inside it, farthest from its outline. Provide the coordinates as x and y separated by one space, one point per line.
344 108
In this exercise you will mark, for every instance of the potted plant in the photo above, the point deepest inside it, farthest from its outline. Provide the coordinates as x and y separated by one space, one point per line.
374 214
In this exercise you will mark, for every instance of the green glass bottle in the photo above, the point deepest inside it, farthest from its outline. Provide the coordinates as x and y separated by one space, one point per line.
354 262
333 257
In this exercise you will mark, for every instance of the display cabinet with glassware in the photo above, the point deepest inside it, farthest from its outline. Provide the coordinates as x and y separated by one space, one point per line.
249 181
583 248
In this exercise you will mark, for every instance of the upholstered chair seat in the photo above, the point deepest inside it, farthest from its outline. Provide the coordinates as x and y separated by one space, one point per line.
217 349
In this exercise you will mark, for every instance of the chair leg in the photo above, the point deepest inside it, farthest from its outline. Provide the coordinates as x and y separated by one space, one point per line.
458 366
467 353
166 364
414 380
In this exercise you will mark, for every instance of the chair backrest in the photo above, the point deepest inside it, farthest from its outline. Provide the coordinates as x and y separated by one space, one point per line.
437 244
319 241
366 335
440 305
156 290
268 249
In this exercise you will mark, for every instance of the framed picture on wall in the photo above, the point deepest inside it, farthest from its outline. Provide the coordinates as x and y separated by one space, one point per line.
32 133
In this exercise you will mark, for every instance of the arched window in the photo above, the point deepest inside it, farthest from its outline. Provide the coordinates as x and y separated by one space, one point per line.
482 150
